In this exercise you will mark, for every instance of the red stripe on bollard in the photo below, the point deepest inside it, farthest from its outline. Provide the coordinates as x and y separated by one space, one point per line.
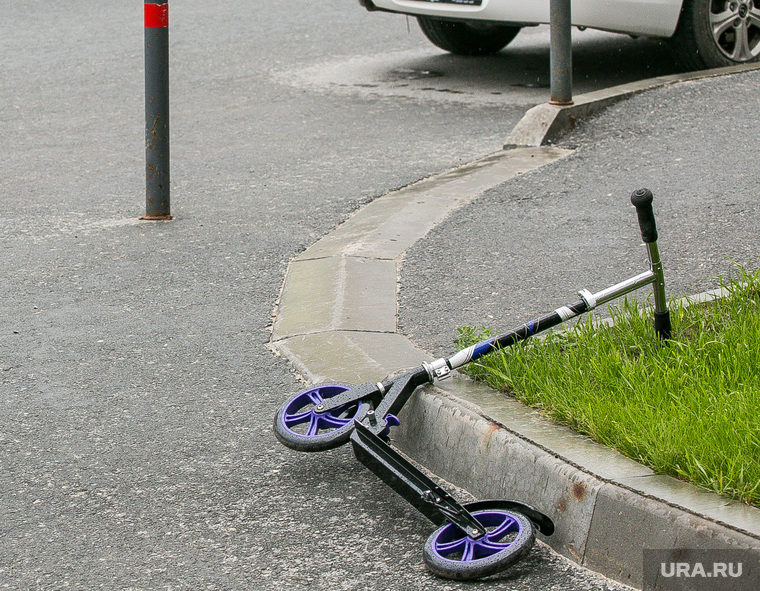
157 15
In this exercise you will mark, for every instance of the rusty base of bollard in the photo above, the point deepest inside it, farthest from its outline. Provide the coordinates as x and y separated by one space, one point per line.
561 103
156 218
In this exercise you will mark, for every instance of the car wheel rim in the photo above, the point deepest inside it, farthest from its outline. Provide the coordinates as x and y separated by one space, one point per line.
735 26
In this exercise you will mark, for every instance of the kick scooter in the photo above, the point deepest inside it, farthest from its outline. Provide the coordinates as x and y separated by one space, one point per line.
478 539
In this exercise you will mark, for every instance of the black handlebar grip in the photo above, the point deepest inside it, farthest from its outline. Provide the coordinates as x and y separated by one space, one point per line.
642 201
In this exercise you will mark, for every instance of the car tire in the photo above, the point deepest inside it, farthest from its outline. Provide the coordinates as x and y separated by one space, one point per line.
467 37
717 33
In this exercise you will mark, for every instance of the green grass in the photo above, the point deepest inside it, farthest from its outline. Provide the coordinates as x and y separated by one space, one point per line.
688 409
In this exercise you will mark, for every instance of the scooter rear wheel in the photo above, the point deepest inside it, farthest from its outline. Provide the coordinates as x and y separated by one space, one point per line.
451 554
299 426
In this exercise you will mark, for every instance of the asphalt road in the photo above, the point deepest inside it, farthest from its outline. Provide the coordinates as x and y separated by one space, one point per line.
527 246
137 390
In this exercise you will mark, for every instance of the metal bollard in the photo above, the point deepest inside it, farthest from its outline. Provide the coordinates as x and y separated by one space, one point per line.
561 53
157 206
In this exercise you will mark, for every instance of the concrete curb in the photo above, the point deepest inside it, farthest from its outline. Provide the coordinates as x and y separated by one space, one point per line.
545 122
349 277
606 507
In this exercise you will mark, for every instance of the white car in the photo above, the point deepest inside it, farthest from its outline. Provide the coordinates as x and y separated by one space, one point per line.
705 33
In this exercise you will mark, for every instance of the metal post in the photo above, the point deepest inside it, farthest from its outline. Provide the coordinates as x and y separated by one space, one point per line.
157 110
561 53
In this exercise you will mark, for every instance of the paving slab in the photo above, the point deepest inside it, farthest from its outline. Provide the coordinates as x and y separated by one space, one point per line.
322 283
349 356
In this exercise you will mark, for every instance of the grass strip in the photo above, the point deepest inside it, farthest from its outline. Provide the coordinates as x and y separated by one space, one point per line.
688 408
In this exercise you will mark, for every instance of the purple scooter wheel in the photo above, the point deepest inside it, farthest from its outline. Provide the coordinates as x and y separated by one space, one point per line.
299 426
451 554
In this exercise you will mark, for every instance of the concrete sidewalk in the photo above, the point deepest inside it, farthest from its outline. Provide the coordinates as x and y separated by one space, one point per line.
606 508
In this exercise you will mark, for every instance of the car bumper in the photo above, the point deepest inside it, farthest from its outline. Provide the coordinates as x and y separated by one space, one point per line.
653 18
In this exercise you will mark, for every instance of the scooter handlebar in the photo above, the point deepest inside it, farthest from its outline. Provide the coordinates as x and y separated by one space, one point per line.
642 201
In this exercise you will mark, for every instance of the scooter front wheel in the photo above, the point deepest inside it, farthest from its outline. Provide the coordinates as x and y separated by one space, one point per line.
299 426
451 554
